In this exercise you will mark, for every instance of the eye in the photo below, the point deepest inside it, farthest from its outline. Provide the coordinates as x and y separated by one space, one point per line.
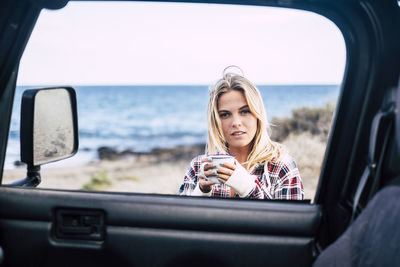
223 115
245 112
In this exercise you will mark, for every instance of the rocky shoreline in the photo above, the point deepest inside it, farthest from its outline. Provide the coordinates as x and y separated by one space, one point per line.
156 155
161 170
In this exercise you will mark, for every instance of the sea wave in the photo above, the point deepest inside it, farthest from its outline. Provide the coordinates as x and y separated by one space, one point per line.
141 118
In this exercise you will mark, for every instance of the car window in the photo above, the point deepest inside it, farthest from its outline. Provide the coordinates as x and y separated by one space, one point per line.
142 73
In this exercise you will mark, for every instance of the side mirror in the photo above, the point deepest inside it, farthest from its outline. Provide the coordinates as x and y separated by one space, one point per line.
49 129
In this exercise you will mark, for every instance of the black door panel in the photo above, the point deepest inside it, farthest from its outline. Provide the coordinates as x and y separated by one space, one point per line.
155 230
159 246
144 230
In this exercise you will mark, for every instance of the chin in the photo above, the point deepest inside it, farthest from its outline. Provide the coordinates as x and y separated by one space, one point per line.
239 144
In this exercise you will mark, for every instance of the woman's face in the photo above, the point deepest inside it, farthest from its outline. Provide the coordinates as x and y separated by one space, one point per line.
239 125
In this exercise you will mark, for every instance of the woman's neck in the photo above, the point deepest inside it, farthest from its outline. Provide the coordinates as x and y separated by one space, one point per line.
240 154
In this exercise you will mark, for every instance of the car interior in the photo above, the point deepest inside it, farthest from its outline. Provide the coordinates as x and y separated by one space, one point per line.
57 227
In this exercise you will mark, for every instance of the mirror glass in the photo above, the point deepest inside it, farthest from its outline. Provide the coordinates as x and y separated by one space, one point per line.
142 70
53 131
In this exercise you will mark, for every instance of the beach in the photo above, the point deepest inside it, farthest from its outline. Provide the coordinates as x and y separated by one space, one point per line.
161 171
138 139
126 175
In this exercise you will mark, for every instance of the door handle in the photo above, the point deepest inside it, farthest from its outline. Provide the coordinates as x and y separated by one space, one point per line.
73 230
80 224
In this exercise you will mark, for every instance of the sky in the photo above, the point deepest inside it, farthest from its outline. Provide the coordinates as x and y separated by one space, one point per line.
135 43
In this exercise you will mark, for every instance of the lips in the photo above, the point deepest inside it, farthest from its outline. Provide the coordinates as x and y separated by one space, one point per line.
238 133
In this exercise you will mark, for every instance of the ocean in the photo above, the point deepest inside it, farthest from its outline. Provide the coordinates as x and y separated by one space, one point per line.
141 118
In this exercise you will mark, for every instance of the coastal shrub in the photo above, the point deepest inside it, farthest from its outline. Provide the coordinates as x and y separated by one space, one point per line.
308 151
315 121
129 178
98 182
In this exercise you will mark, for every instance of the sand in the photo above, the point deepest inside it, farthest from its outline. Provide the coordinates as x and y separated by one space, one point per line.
125 176
128 174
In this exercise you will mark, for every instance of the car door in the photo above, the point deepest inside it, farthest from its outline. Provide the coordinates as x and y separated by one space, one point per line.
43 227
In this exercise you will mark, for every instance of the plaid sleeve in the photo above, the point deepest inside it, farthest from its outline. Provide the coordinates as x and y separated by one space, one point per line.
190 180
261 189
288 184
278 180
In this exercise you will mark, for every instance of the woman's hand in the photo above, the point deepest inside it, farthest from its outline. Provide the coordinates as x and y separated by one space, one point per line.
204 184
223 172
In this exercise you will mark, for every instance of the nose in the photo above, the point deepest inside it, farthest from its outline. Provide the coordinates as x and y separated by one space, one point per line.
236 121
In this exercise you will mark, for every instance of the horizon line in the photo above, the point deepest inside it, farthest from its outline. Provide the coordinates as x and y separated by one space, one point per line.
179 84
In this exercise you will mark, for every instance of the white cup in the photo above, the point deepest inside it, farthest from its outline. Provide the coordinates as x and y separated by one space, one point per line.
217 160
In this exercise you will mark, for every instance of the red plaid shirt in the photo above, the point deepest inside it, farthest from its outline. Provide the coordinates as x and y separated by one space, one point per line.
277 180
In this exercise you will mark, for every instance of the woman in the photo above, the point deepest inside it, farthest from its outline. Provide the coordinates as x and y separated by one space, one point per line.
237 125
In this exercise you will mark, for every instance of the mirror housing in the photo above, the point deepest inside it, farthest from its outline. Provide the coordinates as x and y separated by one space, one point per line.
49 129
49 125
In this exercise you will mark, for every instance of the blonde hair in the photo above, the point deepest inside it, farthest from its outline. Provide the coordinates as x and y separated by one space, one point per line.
262 149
